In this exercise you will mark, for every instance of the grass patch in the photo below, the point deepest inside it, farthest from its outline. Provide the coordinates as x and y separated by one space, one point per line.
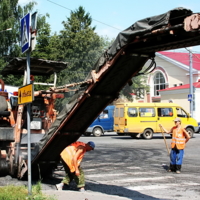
12 192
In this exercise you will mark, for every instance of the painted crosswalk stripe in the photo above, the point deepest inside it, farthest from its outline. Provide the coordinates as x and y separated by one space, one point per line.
137 179
134 167
160 186
120 174
89 164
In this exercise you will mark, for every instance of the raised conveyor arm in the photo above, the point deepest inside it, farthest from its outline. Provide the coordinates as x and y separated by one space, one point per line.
123 60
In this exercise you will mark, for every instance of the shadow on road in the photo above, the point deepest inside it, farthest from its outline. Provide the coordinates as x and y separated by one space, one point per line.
104 189
119 191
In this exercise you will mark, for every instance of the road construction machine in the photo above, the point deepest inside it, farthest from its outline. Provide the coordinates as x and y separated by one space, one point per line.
51 132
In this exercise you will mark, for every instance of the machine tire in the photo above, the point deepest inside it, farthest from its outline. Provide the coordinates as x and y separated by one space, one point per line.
190 131
4 113
3 104
97 132
147 134
87 134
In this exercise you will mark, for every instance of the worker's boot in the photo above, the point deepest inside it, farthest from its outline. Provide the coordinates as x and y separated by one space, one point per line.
172 168
178 169
82 189
60 186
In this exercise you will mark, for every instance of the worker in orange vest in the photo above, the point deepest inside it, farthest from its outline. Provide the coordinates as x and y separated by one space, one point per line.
71 158
179 138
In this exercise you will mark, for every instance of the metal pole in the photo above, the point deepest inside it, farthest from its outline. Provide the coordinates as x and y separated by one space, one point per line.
28 126
191 84
55 79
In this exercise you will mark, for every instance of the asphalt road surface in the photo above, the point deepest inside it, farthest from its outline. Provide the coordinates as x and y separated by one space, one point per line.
137 168
124 168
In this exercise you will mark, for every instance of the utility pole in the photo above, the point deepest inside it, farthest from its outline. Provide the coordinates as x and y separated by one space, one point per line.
191 84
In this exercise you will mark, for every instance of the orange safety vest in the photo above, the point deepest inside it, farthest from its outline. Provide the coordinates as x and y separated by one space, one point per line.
69 152
178 138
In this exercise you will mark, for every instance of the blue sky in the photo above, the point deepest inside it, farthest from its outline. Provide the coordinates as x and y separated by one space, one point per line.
115 13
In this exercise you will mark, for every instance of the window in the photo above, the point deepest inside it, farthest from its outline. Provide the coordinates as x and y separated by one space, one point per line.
165 112
181 113
116 112
121 114
104 114
159 83
147 112
132 112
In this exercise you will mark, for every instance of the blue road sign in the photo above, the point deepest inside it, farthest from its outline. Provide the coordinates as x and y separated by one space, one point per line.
189 97
25 32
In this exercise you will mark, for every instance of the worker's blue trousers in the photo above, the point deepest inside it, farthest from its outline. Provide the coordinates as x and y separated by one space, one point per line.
176 156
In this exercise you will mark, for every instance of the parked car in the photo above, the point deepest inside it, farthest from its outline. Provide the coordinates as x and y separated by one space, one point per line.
103 123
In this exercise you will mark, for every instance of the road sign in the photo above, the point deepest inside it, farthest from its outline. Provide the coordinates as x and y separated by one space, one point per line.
189 97
25 94
25 33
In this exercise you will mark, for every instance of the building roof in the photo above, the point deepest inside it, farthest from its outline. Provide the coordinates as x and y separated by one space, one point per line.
183 58
186 86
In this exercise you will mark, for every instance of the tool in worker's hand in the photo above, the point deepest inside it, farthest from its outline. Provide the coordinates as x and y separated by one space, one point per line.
161 128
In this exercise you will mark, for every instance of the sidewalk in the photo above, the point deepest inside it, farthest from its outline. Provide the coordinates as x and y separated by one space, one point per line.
75 195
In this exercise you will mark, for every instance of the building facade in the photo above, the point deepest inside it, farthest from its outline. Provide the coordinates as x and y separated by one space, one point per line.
169 82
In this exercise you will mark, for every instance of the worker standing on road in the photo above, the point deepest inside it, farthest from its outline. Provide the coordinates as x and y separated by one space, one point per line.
71 158
179 138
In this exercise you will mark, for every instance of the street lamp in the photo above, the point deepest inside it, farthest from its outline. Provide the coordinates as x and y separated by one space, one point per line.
191 95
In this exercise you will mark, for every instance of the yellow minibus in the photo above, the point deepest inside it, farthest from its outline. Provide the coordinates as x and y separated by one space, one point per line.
143 119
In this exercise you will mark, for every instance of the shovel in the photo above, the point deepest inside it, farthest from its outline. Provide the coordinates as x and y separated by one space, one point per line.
165 140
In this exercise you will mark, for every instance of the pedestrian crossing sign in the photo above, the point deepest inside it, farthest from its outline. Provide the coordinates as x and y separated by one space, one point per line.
25 33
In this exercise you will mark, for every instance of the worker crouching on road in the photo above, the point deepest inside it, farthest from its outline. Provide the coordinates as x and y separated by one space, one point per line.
179 138
71 158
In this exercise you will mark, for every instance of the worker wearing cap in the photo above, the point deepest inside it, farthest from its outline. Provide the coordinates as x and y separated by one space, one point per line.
179 138
71 158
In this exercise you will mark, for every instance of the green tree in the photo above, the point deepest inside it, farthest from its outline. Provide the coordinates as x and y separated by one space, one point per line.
80 45
47 44
11 40
138 87
10 16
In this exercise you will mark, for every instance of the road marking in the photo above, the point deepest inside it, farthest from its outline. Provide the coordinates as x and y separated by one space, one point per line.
133 167
89 164
120 174
89 170
137 179
104 175
160 186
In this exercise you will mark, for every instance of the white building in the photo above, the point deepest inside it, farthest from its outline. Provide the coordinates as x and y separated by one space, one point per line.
170 80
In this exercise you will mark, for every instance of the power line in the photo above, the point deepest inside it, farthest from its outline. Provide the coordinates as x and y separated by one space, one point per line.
92 18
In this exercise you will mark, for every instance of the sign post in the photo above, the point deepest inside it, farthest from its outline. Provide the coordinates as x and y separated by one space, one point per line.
26 93
28 126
